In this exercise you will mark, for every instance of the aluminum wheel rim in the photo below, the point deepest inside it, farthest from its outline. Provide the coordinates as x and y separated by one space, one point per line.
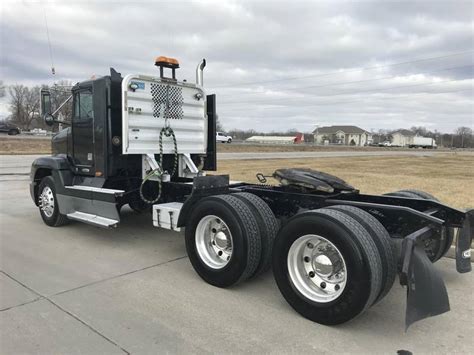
46 201
317 268
214 242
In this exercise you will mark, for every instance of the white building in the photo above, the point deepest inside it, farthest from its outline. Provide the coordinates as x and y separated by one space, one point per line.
345 135
402 138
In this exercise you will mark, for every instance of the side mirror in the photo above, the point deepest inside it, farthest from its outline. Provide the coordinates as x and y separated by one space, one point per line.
48 119
45 104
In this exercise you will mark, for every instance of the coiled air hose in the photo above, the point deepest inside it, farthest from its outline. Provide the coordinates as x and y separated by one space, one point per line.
158 172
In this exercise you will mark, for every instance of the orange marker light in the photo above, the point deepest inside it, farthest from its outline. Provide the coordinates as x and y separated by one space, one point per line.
166 62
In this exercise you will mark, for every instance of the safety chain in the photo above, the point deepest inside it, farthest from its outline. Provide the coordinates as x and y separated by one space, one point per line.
158 172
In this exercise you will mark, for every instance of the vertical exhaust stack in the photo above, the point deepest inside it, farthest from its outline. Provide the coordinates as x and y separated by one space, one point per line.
199 72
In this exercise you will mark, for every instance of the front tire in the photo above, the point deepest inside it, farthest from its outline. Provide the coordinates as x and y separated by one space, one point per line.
229 140
48 204
327 266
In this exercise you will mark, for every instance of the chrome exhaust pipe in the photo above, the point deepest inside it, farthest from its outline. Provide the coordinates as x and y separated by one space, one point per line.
199 73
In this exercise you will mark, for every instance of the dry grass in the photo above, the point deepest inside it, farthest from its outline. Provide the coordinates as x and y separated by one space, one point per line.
450 177
24 146
238 147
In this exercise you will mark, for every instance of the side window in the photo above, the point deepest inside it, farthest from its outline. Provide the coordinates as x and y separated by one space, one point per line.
83 105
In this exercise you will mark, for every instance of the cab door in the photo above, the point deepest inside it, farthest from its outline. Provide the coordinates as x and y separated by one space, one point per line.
83 132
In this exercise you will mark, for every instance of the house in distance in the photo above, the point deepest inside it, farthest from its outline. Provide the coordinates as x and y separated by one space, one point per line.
344 135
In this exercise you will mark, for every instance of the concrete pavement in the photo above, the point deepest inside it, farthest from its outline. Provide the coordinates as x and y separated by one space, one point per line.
81 289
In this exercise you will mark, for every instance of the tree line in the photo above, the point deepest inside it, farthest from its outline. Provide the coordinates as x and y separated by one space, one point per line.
25 103
25 113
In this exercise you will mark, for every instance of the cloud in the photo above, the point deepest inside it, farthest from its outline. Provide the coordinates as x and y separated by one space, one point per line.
339 55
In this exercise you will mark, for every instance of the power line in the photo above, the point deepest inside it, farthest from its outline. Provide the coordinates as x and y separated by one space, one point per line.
355 82
344 71
342 93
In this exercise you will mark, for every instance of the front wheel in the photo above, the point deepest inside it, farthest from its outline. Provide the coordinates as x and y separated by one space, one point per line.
48 204
229 140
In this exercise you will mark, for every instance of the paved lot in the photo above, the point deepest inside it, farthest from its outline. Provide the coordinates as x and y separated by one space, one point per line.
80 289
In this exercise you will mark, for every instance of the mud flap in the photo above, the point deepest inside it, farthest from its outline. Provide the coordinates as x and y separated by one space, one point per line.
426 292
463 244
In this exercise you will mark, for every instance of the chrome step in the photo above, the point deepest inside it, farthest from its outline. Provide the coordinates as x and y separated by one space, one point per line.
93 219
95 189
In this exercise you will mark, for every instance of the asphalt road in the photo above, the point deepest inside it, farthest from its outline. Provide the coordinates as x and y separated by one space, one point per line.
20 164
81 289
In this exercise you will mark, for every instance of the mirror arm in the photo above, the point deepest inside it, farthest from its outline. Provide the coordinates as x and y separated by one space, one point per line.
60 107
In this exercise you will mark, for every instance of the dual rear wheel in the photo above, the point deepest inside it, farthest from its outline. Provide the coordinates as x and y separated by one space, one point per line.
229 238
333 263
440 242
330 264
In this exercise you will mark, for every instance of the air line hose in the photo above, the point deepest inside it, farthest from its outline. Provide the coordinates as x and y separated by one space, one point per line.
158 172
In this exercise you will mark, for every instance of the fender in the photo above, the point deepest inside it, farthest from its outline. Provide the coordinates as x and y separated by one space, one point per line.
203 186
57 166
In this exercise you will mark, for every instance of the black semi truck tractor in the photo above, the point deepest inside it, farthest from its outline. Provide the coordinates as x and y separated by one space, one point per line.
149 141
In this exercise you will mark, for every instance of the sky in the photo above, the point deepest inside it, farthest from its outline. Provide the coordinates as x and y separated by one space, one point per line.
274 65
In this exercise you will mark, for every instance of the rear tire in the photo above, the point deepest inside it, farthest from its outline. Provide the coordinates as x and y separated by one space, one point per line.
48 204
222 240
383 241
440 244
346 243
268 226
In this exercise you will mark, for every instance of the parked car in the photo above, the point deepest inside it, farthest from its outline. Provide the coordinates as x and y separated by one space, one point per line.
223 138
386 144
9 128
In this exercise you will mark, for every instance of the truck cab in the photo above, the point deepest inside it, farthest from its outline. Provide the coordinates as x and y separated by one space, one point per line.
111 140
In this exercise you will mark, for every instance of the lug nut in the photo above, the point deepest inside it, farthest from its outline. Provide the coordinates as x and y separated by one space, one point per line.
311 274
337 287
214 230
310 245
219 253
306 259
323 285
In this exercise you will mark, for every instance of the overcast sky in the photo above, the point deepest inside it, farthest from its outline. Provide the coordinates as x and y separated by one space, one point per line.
274 65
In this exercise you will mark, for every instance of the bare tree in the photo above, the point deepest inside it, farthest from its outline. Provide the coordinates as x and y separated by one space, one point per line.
60 92
420 131
464 132
24 105
219 127
2 89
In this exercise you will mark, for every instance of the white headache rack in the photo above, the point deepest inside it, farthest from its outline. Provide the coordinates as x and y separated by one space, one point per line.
165 215
148 101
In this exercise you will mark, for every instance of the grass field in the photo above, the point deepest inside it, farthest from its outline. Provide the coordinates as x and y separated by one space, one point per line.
450 177
31 145
24 145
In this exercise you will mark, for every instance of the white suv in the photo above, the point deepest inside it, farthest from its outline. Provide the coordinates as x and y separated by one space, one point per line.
223 138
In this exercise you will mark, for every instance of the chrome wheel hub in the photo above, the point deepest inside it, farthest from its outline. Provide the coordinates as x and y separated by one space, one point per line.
317 268
213 242
46 201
